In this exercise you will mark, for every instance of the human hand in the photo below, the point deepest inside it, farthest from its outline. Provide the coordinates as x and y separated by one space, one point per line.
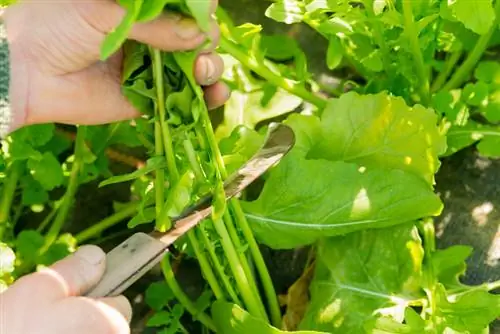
56 74
50 300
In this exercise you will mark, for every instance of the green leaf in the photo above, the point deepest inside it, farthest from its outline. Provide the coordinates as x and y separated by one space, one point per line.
200 9
488 71
159 319
179 197
231 319
449 264
476 94
28 244
304 200
381 131
476 15
33 192
7 260
158 295
144 216
334 53
152 164
35 135
152 9
286 11
364 276
239 147
469 312
487 138
47 171
117 37
450 105
21 150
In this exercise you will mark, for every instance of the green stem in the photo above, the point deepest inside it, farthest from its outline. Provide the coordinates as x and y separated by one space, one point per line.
218 267
242 282
106 223
274 78
68 197
205 266
159 175
412 34
47 219
167 138
9 189
181 296
446 71
193 160
474 56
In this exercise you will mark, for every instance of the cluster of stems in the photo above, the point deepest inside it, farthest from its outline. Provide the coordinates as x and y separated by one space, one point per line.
226 227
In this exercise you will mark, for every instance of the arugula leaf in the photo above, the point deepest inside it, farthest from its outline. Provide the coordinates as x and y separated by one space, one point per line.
117 37
305 200
351 288
152 164
449 264
286 11
47 171
229 318
151 9
487 138
239 147
476 15
379 130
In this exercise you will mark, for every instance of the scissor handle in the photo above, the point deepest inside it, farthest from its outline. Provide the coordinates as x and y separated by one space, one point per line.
128 262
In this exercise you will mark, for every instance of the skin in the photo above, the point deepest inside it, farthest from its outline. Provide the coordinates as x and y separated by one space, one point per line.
56 76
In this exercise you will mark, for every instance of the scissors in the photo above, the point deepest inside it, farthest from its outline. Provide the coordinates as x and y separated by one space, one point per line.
135 256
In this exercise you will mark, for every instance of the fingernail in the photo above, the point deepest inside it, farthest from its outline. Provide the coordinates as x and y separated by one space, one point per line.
209 70
91 254
187 29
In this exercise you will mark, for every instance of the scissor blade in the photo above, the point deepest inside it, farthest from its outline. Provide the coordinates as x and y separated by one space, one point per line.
130 260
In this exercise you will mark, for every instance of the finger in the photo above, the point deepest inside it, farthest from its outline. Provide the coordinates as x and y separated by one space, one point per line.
208 68
70 276
119 303
216 95
81 315
168 32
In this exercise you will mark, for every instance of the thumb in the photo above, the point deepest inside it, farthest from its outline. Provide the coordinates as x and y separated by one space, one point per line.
71 276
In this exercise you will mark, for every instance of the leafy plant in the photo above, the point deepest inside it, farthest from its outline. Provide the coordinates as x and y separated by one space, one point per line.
419 82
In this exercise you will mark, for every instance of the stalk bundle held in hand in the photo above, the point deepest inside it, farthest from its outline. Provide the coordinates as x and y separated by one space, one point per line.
187 161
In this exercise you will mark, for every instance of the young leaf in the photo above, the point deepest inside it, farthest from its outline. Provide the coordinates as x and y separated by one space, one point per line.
231 319
151 9
155 163
47 171
449 264
381 131
351 287
117 37
305 200
286 11
334 53
476 15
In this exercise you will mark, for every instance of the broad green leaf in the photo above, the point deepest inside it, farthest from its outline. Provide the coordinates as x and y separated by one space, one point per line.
28 244
47 171
363 276
246 109
152 164
476 94
159 319
449 264
7 260
305 200
334 53
239 147
33 192
35 135
469 312
492 109
450 105
286 11
20 150
231 319
487 138
158 295
117 37
381 131
488 71
476 15
200 9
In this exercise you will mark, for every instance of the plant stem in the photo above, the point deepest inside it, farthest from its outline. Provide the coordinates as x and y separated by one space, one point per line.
412 34
220 270
106 223
9 189
205 266
47 219
68 197
193 161
474 56
181 296
167 138
446 71
274 78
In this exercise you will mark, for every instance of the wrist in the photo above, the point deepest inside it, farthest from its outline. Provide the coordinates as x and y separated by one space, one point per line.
13 81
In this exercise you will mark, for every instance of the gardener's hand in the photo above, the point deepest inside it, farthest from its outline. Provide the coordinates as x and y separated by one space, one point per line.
56 72
49 301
